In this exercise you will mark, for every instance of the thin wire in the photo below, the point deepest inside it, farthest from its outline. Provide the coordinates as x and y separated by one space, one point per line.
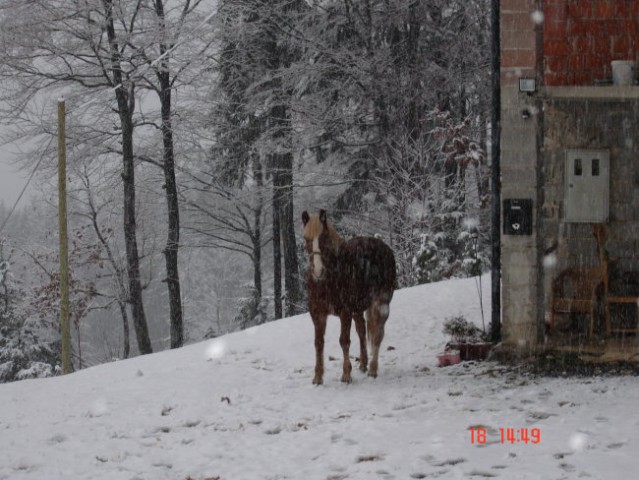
24 189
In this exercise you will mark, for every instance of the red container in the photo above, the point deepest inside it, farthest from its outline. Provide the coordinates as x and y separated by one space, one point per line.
472 351
449 357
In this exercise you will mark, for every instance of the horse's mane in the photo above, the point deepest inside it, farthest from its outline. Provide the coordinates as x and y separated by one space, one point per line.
313 228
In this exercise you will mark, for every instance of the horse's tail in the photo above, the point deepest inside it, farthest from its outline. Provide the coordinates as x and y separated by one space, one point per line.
367 316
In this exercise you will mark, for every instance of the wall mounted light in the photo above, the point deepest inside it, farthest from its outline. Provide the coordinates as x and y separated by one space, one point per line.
527 85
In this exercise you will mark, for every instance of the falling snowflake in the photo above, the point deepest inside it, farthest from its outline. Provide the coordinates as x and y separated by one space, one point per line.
537 16
215 350
578 441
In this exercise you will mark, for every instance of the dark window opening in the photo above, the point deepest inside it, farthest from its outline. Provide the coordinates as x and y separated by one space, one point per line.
595 167
578 167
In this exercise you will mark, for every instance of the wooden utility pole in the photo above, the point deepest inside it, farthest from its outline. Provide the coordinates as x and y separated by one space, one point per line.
65 325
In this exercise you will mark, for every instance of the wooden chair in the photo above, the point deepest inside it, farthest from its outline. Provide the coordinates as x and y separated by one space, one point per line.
575 291
619 297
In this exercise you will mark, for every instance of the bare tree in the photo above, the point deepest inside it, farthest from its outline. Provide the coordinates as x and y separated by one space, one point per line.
84 45
124 88
172 20
107 46
91 211
230 218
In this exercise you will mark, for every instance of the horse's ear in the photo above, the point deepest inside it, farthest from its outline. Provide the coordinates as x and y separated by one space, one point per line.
305 217
322 216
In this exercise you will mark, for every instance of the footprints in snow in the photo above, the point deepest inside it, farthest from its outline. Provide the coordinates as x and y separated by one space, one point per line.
445 467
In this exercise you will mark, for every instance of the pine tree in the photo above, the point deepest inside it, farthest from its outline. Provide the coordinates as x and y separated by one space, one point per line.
256 130
27 349
394 92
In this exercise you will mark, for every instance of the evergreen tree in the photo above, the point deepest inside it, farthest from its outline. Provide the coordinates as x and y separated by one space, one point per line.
395 92
254 102
28 349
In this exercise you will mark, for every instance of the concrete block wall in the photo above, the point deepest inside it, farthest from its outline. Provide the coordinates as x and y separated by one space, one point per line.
592 124
520 179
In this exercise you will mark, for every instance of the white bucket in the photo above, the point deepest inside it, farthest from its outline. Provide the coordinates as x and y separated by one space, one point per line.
624 72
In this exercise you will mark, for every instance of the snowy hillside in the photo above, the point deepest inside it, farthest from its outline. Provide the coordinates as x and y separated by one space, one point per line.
243 407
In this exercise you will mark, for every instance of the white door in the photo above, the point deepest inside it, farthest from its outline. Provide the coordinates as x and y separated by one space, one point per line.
587 186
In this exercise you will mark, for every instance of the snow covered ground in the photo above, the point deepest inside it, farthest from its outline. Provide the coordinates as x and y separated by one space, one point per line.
243 407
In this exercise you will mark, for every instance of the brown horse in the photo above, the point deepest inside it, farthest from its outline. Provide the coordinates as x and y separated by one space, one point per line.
346 279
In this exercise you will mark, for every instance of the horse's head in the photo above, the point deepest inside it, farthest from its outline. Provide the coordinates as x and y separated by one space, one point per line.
321 240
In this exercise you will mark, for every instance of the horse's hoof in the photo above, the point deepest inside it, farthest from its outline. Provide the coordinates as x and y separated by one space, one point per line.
346 379
363 368
372 374
317 381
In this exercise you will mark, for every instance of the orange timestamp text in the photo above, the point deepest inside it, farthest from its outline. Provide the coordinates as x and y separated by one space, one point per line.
507 435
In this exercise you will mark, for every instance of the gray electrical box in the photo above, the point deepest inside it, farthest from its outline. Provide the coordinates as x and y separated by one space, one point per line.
587 186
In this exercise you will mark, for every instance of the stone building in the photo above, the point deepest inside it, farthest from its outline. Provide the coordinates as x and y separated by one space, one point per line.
570 168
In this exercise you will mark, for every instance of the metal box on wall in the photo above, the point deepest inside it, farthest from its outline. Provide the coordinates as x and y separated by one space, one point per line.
518 216
587 186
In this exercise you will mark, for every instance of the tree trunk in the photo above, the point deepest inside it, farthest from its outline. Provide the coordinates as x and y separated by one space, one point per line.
125 329
126 106
257 232
173 208
170 185
257 261
289 243
277 253
130 236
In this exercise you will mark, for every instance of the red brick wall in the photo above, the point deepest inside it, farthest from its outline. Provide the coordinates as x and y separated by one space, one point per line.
582 37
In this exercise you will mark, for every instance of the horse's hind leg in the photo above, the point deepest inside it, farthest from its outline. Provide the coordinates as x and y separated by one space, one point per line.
319 320
377 315
345 342
360 326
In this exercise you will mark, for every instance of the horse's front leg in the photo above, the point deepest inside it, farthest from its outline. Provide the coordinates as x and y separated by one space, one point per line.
345 342
319 320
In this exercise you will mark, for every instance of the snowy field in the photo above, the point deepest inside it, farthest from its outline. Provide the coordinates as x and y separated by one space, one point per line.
242 407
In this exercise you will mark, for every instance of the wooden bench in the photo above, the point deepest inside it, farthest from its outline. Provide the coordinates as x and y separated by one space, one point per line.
611 300
575 291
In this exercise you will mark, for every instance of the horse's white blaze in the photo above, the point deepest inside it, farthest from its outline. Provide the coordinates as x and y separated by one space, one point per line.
318 267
